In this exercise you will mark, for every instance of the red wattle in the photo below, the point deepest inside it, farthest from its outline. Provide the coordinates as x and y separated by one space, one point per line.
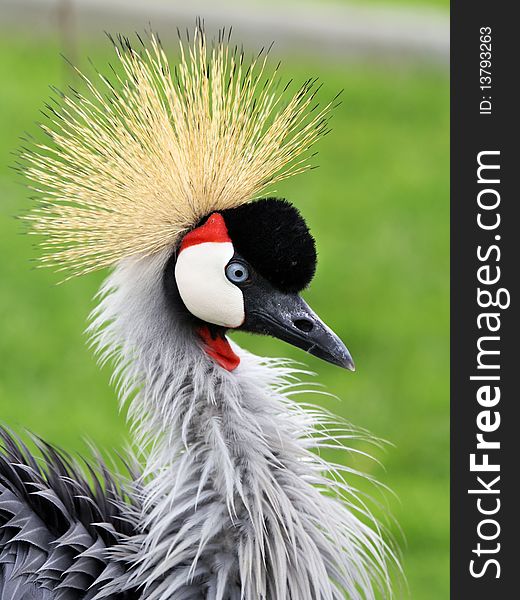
219 349
213 230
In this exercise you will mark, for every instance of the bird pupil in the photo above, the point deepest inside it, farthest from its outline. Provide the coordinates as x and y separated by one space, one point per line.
236 272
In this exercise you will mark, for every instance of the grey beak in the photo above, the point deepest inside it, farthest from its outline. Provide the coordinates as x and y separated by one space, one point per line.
289 318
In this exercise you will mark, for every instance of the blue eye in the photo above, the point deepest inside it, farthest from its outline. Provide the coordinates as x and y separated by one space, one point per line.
237 272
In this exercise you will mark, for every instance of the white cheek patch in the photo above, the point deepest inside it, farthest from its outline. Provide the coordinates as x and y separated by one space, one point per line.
200 272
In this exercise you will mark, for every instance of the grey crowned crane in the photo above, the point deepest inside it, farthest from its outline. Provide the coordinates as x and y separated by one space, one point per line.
157 174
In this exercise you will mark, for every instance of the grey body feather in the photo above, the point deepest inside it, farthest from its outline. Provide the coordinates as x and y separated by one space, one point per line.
234 501
55 526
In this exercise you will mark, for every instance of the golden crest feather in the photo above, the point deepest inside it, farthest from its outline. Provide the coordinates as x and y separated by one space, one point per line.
135 163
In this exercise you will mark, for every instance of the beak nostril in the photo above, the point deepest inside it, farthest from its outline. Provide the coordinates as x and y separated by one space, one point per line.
304 325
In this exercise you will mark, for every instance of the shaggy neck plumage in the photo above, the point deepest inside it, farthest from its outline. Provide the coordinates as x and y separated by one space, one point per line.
232 492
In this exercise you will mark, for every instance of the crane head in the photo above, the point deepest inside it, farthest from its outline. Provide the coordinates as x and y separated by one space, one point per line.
243 269
172 158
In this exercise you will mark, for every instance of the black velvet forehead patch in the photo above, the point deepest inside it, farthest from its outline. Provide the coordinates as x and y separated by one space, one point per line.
272 235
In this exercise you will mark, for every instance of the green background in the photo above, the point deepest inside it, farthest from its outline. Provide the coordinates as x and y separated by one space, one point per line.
378 207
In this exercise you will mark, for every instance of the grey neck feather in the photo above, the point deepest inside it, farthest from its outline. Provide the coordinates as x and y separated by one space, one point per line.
236 503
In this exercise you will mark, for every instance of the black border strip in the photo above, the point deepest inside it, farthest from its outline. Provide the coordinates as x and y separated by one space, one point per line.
474 131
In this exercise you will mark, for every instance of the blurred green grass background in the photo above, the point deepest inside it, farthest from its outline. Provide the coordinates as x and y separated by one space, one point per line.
441 4
378 206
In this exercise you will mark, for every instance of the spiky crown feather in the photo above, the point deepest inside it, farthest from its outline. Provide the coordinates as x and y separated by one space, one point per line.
134 164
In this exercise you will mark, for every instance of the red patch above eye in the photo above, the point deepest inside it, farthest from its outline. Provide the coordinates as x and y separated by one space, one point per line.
213 230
